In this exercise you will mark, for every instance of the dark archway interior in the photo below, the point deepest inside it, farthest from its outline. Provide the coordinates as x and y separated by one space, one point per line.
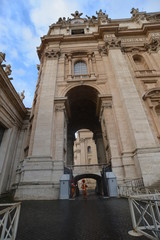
98 189
82 102
93 176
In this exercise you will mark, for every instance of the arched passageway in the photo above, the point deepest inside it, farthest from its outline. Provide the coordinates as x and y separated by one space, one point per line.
98 185
82 101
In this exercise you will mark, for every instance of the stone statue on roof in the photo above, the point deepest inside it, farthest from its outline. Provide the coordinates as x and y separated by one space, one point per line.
76 14
22 96
8 69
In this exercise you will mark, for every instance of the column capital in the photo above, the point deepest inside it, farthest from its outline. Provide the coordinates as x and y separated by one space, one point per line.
104 102
52 53
110 43
60 104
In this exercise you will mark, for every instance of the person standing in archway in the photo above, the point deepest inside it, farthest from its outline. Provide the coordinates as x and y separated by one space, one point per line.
72 189
84 189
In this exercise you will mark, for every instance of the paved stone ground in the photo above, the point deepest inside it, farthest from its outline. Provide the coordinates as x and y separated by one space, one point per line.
91 219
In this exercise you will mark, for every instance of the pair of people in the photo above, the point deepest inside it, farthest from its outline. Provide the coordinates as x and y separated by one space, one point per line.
83 186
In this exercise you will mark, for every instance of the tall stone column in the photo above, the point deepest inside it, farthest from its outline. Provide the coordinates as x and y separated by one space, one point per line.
83 151
108 123
100 148
145 151
143 136
59 129
7 156
70 144
42 139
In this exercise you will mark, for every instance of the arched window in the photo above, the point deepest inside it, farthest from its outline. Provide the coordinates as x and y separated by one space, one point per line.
80 68
89 149
140 62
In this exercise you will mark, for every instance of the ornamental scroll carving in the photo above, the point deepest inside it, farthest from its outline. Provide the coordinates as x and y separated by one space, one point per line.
153 18
52 54
109 44
153 45
103 50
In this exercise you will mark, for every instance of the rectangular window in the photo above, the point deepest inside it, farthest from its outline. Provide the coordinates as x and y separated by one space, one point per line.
77 31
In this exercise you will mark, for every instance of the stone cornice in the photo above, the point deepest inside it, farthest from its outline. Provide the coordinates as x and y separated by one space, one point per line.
102 30
11 93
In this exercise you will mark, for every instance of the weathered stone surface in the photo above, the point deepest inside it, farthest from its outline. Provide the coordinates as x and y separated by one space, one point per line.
95 73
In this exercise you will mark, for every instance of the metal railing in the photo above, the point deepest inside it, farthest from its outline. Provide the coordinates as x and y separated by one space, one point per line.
145 215
9 217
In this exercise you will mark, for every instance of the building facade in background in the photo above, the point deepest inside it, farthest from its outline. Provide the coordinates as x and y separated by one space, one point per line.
95 73
85 152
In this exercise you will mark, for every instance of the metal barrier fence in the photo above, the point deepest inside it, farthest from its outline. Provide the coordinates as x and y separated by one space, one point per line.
145 215
9 217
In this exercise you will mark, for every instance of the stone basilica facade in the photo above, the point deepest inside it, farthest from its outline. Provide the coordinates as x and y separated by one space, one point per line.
95 73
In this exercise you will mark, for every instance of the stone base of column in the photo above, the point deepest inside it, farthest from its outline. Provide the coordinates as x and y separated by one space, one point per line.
39 191
149 160
40 179
142 163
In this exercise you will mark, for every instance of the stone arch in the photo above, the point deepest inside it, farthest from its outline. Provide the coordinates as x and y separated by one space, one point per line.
96 177
151 93
152 99
140 62
64 92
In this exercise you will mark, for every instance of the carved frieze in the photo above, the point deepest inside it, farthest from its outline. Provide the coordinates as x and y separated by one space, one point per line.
130 40
153 18
136 49
52 54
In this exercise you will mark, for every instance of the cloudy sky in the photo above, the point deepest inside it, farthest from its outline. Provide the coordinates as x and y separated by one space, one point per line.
22 23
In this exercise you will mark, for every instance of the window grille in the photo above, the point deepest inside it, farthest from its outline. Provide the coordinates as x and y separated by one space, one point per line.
80 68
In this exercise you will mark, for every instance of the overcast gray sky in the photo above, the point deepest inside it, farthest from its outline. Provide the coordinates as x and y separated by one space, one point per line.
22 23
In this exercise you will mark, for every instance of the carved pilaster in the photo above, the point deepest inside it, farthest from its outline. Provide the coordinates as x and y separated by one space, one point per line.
69 57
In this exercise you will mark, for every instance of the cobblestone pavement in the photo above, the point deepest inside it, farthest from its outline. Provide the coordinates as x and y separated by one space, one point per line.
91 219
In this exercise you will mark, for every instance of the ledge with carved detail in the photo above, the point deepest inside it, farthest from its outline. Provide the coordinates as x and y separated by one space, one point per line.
147 73
83 77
